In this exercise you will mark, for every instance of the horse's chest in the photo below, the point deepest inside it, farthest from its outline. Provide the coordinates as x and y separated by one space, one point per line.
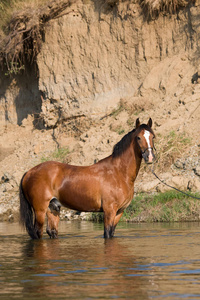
126 202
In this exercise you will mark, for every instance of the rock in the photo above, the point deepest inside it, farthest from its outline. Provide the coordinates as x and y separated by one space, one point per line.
179 182
5 178
68 216
179 164
76 217
197 170
37 149
84 216
196 185
11 218
3 209
149 186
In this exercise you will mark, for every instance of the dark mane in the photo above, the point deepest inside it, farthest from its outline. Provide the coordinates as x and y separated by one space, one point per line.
124 143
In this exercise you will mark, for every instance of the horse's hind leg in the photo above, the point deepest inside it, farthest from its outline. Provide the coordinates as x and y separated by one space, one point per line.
53 217
52 223
39 223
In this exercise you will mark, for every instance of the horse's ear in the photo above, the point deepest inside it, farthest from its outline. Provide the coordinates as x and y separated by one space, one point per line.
137 123
150 122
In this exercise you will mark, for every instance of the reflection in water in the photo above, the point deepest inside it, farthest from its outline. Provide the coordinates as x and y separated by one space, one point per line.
81 268
141 262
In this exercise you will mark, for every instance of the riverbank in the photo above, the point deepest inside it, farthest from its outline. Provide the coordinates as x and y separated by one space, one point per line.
170 206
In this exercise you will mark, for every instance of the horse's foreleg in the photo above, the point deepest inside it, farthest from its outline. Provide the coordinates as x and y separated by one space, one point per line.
110 222
53 217
109 218
116 220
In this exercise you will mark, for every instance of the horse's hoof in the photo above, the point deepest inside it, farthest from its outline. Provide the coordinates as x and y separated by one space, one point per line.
53 234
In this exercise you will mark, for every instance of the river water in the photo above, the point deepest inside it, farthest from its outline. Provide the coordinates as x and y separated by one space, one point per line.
143 261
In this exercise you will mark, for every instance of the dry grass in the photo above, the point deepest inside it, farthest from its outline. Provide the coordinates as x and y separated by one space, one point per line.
168 149
152 8
9 8
171 147
22 28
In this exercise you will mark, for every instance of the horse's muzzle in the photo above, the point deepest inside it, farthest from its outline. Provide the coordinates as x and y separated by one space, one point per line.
148 156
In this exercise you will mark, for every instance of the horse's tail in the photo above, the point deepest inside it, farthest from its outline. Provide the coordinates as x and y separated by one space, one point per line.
26 213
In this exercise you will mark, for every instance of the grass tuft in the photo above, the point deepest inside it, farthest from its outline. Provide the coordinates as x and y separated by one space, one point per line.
58 155
171 147
163 207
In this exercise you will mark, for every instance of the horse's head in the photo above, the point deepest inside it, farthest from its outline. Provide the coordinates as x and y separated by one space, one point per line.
144 138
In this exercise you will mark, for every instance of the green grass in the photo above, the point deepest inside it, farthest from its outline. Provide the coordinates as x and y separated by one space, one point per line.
163 207
96 217
176 141
117 111
120 130
170 206
58 155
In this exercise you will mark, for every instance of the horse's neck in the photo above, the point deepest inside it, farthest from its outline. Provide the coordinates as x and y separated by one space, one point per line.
129 163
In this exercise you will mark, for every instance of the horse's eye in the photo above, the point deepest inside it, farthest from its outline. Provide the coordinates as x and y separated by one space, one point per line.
138 138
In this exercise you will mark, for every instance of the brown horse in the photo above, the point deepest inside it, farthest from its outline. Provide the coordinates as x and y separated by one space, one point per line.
107 186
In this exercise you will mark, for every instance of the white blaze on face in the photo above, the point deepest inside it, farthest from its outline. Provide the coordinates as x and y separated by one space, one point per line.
146 136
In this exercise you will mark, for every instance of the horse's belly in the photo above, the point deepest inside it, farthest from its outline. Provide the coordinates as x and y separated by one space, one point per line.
87 200
81 204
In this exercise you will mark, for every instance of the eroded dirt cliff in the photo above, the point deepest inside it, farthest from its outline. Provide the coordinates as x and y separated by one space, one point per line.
97 71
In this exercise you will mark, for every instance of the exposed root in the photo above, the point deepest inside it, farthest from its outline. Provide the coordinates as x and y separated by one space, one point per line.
26 30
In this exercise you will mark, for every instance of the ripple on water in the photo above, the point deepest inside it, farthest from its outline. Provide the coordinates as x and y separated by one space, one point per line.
144 261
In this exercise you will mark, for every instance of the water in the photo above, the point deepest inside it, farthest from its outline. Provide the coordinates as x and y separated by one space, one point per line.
143 261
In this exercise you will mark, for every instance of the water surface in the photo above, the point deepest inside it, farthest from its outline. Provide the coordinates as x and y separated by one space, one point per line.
143 261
